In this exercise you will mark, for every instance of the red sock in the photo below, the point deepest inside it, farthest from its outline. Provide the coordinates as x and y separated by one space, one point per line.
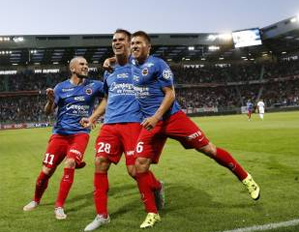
225 159
65 186
40 186
146 185
155 184
100 198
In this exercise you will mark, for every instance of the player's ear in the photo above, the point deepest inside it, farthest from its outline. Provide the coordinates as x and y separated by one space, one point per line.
72 69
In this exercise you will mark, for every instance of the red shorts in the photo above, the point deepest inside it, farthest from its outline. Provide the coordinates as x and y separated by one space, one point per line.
179 127
61 146
118 138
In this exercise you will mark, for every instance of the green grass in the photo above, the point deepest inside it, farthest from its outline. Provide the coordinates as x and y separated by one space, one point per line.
201 195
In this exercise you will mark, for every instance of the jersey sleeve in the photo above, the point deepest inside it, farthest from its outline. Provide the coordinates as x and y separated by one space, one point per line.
99 88
56 94
164 73
105 85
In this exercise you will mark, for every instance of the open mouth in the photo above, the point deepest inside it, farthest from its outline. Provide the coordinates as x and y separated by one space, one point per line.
135 52
84 72
118 48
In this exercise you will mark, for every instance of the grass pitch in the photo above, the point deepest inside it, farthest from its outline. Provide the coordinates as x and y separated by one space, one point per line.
201 195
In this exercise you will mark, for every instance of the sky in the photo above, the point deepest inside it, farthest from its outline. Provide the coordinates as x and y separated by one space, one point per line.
51 17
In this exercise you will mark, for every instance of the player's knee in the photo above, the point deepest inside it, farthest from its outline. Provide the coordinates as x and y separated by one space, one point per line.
209 150
142 164
102 164
70 163
48 171
131 170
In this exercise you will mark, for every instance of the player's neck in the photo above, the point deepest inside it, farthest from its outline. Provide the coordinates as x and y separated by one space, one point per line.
122 59
76 80
141 60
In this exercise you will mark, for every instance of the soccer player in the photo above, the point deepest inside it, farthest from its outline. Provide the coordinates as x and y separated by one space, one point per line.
261 108
121 125
74 98
249 107
153 83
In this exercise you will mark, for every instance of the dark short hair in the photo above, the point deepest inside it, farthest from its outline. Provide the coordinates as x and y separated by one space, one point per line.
142 34
127 33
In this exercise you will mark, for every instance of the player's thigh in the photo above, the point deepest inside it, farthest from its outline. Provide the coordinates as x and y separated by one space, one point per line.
180 127
108 144
150 144
77 146
129 135
56 151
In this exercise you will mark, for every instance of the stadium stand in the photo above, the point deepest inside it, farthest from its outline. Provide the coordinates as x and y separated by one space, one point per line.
210 88
212 75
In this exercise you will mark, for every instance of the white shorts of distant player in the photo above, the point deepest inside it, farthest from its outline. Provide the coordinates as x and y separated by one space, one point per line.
261 112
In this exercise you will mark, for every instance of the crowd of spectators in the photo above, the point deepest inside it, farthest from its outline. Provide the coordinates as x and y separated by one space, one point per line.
20 109
281 93
283 68
198 97
219 74
196 87
28 80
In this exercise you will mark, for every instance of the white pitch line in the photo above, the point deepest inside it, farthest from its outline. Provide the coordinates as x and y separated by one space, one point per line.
269 226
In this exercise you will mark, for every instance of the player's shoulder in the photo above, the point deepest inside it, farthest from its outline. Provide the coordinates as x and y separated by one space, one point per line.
159 63
93 82
62 85
118 70
155 60
108 74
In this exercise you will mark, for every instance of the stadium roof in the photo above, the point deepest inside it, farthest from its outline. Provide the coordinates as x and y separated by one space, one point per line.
278 40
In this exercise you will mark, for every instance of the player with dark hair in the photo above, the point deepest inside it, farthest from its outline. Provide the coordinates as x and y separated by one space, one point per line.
74 98
121 125
153 84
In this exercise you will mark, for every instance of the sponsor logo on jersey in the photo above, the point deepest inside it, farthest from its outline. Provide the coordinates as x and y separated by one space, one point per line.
136 78
90 85
70 106
122 75
78 153
150 64
141 91
144 71
194 135
130 153
79 98
121 89
133 62
167 74
88 91
67 90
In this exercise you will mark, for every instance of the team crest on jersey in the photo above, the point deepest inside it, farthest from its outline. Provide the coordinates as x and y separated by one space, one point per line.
144 71
167 74
88 91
